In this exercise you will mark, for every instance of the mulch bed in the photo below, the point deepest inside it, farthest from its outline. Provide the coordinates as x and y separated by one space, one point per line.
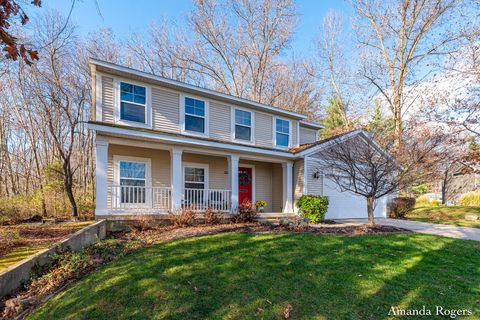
161 234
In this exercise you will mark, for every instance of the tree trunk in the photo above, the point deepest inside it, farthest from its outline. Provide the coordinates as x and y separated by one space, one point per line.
68 184
370 206
444 186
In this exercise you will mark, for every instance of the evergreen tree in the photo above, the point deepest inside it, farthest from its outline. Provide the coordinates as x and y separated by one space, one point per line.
335 119
380 124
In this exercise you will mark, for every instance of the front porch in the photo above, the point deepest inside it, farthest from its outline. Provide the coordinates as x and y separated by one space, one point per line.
140 178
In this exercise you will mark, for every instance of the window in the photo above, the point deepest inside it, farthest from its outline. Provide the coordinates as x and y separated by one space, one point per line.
132 102
133 181
243 125
195 182
194 178
194 115
282 132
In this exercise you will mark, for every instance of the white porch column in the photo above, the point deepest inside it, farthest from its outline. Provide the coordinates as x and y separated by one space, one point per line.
233 171
101 168
177 187
287 186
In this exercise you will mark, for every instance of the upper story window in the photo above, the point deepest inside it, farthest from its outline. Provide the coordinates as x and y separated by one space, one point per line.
133 102
282 132
243 125
194 115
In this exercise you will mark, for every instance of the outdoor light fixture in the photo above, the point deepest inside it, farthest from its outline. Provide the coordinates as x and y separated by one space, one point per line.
316 175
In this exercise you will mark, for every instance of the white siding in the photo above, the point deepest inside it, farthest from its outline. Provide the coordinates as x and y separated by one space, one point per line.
220 121
293 136
165 110
263 130
314 186
307 135
298 179
108 99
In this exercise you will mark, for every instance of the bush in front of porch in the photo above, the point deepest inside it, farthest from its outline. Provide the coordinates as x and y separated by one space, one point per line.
313 207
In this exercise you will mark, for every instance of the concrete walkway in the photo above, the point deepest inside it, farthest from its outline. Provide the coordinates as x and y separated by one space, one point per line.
424 227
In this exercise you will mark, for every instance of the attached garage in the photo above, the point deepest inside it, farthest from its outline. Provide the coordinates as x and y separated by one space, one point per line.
308 179
343 205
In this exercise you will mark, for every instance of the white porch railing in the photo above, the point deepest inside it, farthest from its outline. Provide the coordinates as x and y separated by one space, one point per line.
136 197
125 198
202 199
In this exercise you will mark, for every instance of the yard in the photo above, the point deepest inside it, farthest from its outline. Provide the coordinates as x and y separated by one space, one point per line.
247 275
454 215
19 241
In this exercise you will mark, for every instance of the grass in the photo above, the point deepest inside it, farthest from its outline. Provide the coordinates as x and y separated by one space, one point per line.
241 275
17 255
454 215
27 239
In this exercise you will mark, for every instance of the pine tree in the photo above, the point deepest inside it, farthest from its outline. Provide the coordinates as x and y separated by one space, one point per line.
335 118
379 123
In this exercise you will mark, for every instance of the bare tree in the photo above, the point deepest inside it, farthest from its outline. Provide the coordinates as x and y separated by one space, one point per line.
401 37
333 64
58 89
357 163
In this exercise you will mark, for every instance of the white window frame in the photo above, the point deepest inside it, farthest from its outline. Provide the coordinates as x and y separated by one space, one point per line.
148 176
252 125
275 133
194 165
206 116
117 104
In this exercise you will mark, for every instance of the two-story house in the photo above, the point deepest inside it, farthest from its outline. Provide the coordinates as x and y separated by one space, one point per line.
163 145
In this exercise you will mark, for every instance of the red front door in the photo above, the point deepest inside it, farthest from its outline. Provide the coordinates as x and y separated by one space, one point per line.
244 184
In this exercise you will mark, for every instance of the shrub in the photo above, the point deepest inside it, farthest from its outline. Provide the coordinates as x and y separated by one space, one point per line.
212 216
183 218
400 206
246 213
313 207
470 198
424 201
260 203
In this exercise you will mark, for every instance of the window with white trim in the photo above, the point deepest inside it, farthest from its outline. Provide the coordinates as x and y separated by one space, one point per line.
133 102
194 115
195 182
243 125
194 178
282 132
133 180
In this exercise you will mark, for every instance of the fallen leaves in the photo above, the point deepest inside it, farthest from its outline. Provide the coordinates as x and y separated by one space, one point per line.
287 310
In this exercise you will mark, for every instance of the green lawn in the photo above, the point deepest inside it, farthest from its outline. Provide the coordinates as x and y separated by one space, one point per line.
17 255
241 275
454 215
30 238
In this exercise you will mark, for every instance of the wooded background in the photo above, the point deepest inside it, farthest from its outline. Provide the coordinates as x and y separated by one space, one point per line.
414 70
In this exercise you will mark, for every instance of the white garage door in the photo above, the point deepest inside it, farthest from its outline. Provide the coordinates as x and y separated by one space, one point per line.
343 205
